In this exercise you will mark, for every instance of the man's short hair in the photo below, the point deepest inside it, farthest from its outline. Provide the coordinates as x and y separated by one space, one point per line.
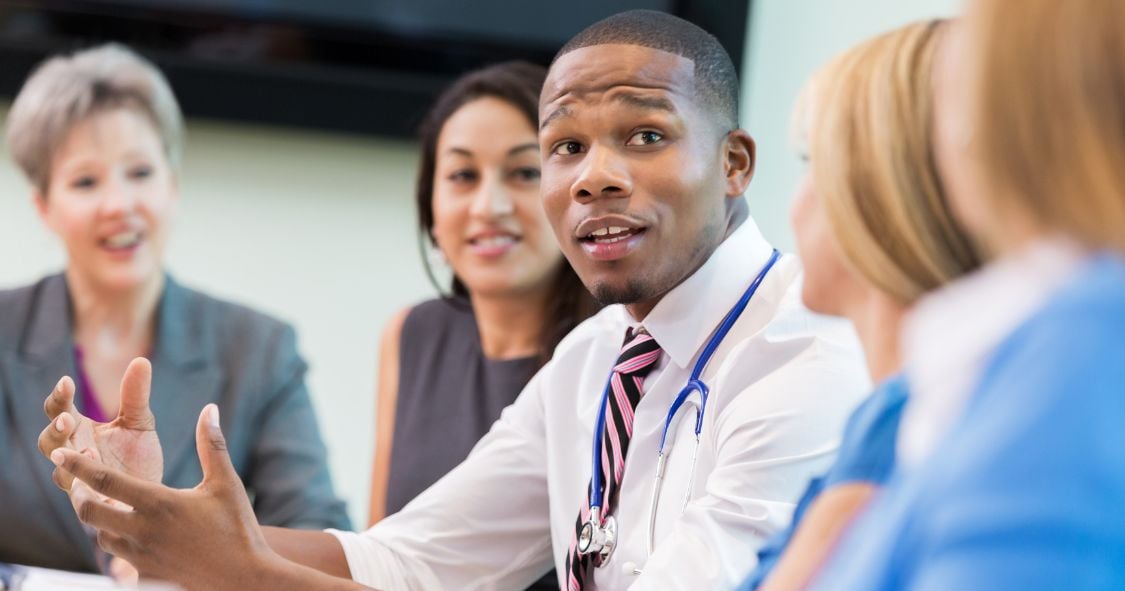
715 77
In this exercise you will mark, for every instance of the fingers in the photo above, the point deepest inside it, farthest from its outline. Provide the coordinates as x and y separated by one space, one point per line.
54 436
122 570
62 479
57 434
92 510
61 399
118 545
107 481
212 449
136 386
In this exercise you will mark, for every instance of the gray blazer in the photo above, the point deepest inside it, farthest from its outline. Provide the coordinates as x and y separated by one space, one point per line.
205 350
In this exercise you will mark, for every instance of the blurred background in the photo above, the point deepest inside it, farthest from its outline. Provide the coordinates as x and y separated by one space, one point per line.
297 184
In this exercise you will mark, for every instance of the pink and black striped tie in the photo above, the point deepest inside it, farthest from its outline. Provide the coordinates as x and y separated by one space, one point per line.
638 357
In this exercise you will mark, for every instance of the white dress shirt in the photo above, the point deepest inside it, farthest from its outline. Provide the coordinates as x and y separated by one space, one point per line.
782 384
950 335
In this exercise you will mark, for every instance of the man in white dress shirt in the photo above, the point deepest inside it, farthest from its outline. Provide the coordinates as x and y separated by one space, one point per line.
644 170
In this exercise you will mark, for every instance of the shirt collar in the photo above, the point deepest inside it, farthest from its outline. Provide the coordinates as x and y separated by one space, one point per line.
685 317
951 333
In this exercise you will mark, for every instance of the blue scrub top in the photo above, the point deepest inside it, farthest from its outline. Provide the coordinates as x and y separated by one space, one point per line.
867 454
1027 490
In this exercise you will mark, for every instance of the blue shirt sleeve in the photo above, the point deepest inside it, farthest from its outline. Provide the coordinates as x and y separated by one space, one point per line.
1033 482
1026 491
770 553
866 454
867 451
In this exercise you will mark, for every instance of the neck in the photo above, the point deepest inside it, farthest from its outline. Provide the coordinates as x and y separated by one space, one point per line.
736 215
878 320
1016 234
510 325
109 320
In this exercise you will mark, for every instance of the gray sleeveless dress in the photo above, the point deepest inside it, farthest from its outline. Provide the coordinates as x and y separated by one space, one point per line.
449 394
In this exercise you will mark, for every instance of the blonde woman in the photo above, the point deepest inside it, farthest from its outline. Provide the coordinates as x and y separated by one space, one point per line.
1012 467
98 135
875 234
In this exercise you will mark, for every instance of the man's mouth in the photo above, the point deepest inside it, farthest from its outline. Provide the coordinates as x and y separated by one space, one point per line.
611 234
609 239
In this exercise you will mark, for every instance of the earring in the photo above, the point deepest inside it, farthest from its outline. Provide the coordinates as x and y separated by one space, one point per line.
436 258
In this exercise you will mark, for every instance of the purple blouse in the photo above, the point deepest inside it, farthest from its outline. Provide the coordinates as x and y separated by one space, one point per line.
87 402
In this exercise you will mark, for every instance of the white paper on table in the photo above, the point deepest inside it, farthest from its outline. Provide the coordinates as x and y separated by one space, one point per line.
42 579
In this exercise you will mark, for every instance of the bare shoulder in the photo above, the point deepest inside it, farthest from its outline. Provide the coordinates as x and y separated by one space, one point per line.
392 334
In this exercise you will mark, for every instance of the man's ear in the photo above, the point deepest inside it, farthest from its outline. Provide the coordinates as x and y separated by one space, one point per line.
739 158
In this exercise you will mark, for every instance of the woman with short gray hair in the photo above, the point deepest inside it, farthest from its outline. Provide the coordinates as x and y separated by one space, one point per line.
98 134
67 89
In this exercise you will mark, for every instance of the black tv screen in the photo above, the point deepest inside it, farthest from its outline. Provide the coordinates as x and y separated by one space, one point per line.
363 66
546 24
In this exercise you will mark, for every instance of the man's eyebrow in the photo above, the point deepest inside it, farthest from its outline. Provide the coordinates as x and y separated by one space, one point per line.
649 103
558 113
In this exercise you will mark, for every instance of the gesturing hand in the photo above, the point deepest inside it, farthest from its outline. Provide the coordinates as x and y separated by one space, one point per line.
201 538
127 443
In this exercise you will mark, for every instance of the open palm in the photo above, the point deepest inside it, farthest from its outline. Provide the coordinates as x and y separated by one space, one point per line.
128 443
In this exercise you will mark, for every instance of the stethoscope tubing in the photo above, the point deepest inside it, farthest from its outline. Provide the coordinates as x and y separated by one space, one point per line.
695 384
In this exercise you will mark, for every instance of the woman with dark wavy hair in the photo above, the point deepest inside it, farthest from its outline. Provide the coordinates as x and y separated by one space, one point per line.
448 366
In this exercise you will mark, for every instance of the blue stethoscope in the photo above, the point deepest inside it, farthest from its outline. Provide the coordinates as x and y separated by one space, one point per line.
600 535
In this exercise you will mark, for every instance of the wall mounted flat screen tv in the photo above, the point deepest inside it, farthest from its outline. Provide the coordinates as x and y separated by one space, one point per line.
362 66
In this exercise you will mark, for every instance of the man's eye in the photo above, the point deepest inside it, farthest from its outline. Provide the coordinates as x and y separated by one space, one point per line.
644 138
568 148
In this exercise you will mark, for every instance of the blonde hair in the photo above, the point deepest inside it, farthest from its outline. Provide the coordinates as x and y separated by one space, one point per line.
65 90
871 148
1049 115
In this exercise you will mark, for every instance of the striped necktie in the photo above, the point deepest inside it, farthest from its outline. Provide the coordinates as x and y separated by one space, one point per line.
638 357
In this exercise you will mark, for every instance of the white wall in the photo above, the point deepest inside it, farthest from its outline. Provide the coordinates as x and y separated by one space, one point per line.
789 40
318 229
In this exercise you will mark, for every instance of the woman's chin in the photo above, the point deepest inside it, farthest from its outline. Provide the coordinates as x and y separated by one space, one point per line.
126 280
819 302
497 288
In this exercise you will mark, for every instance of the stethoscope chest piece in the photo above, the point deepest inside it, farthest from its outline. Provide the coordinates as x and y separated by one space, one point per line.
599 536
598 539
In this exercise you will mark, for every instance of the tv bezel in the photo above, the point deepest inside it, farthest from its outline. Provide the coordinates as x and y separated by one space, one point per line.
385 96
